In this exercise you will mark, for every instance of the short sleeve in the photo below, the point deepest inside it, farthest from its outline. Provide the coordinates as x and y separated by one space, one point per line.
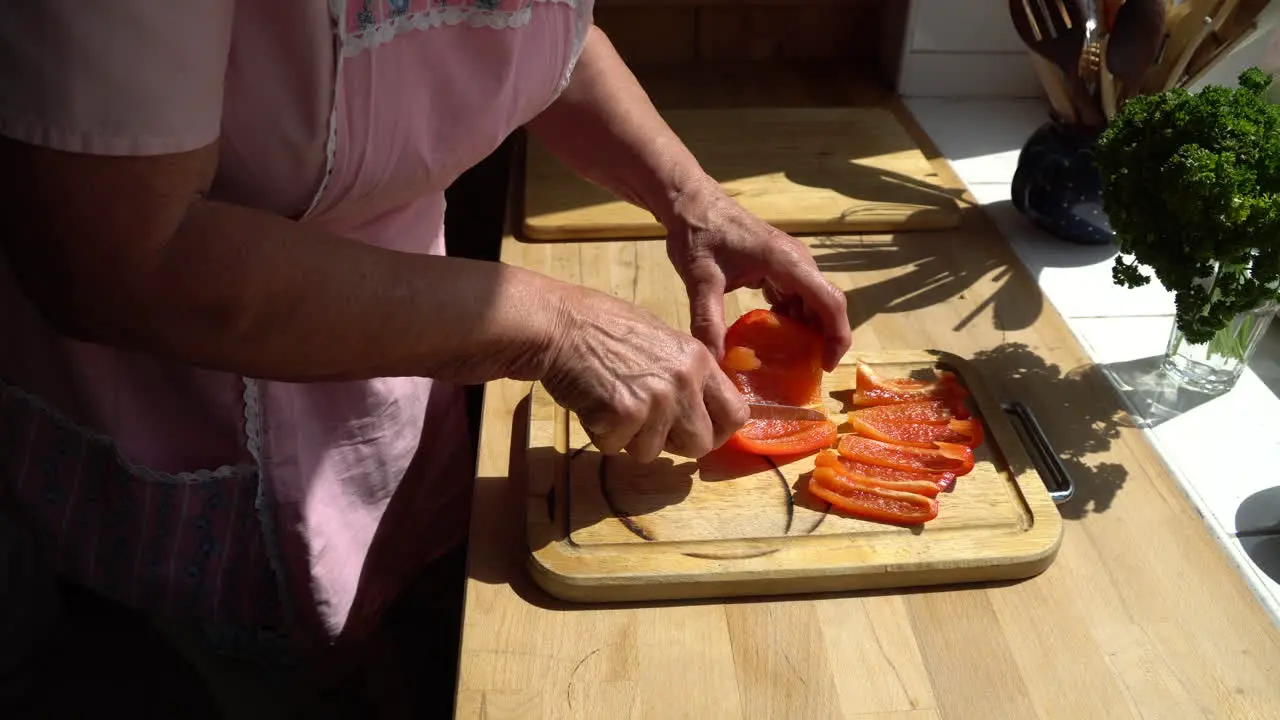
114 77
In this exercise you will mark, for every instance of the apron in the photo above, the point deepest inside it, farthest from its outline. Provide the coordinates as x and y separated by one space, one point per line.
262 509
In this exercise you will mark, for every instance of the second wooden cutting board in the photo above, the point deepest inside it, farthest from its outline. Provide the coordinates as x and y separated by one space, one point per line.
606 529
803 170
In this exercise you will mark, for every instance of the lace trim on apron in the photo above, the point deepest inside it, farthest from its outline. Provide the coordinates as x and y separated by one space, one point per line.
370 23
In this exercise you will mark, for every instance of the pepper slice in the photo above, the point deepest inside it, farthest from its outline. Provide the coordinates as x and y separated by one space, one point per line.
943 480
888 478
944 457
778 438
772 358
925 435
873 389
870 502
934 412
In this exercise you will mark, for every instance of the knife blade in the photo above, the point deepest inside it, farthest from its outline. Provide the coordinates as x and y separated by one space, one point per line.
771 411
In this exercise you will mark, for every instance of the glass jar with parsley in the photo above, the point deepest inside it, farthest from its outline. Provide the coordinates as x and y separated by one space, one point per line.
1191 186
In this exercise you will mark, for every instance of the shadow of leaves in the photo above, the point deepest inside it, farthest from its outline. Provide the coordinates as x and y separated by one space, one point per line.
1078 411
930 272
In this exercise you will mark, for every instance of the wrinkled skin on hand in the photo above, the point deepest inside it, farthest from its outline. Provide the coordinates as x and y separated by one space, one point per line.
638 385
717 246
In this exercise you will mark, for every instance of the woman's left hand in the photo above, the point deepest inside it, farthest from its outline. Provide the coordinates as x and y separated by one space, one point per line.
717 246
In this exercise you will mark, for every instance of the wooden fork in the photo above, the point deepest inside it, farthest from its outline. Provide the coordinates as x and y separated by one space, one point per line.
1055 30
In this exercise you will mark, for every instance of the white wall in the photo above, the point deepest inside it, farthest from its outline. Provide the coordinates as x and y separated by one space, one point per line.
964 48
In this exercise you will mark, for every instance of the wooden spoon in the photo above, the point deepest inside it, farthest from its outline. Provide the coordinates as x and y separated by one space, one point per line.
1135 41
1185 28
1231 25
1055 88
1209 27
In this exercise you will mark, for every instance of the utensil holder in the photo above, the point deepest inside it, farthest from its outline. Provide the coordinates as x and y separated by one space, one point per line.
1058 186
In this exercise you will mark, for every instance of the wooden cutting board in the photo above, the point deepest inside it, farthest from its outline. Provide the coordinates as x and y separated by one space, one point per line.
608 529
804 170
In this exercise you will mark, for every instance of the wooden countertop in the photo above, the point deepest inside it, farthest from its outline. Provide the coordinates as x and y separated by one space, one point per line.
1141 615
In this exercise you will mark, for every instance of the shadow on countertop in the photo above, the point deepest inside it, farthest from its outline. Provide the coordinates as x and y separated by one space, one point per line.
937 269
1079 412
1153 397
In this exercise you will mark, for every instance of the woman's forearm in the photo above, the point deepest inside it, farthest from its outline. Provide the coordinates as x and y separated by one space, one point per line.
244 291
606 129
259 295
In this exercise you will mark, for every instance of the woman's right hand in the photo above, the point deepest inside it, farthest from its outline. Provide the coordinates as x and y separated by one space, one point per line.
637 384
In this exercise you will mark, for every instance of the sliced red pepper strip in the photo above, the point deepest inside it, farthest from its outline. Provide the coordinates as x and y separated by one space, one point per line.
934 412
777 438
945 457
926 484
943 479
872 389
870 502
772 358
925 435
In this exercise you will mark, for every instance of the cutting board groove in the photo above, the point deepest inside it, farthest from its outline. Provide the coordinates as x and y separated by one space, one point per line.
604 528
804 170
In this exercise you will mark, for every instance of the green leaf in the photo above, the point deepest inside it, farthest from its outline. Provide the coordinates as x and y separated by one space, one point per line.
1191 184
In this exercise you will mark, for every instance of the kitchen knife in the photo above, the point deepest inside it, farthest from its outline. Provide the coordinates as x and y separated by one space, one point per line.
770 411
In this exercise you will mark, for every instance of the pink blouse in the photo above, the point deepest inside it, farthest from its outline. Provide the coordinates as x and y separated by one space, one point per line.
240 502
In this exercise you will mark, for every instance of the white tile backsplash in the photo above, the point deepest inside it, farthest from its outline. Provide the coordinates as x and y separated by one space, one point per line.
1123 339
963 26
993 75
980 138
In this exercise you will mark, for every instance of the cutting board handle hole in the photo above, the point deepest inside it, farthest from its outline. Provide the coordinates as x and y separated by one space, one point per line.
1061 487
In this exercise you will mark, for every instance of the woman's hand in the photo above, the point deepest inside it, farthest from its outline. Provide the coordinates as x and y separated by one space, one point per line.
604 127
717 247
637 384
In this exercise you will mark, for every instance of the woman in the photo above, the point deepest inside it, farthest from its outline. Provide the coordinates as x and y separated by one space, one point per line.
234 344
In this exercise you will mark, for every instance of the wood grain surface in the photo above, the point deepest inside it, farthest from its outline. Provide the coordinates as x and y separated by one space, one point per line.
731 524
803 170
1141 615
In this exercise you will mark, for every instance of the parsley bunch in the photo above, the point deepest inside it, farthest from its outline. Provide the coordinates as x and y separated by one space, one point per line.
1191 185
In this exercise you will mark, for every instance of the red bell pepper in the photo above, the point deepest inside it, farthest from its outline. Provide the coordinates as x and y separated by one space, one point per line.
773 359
